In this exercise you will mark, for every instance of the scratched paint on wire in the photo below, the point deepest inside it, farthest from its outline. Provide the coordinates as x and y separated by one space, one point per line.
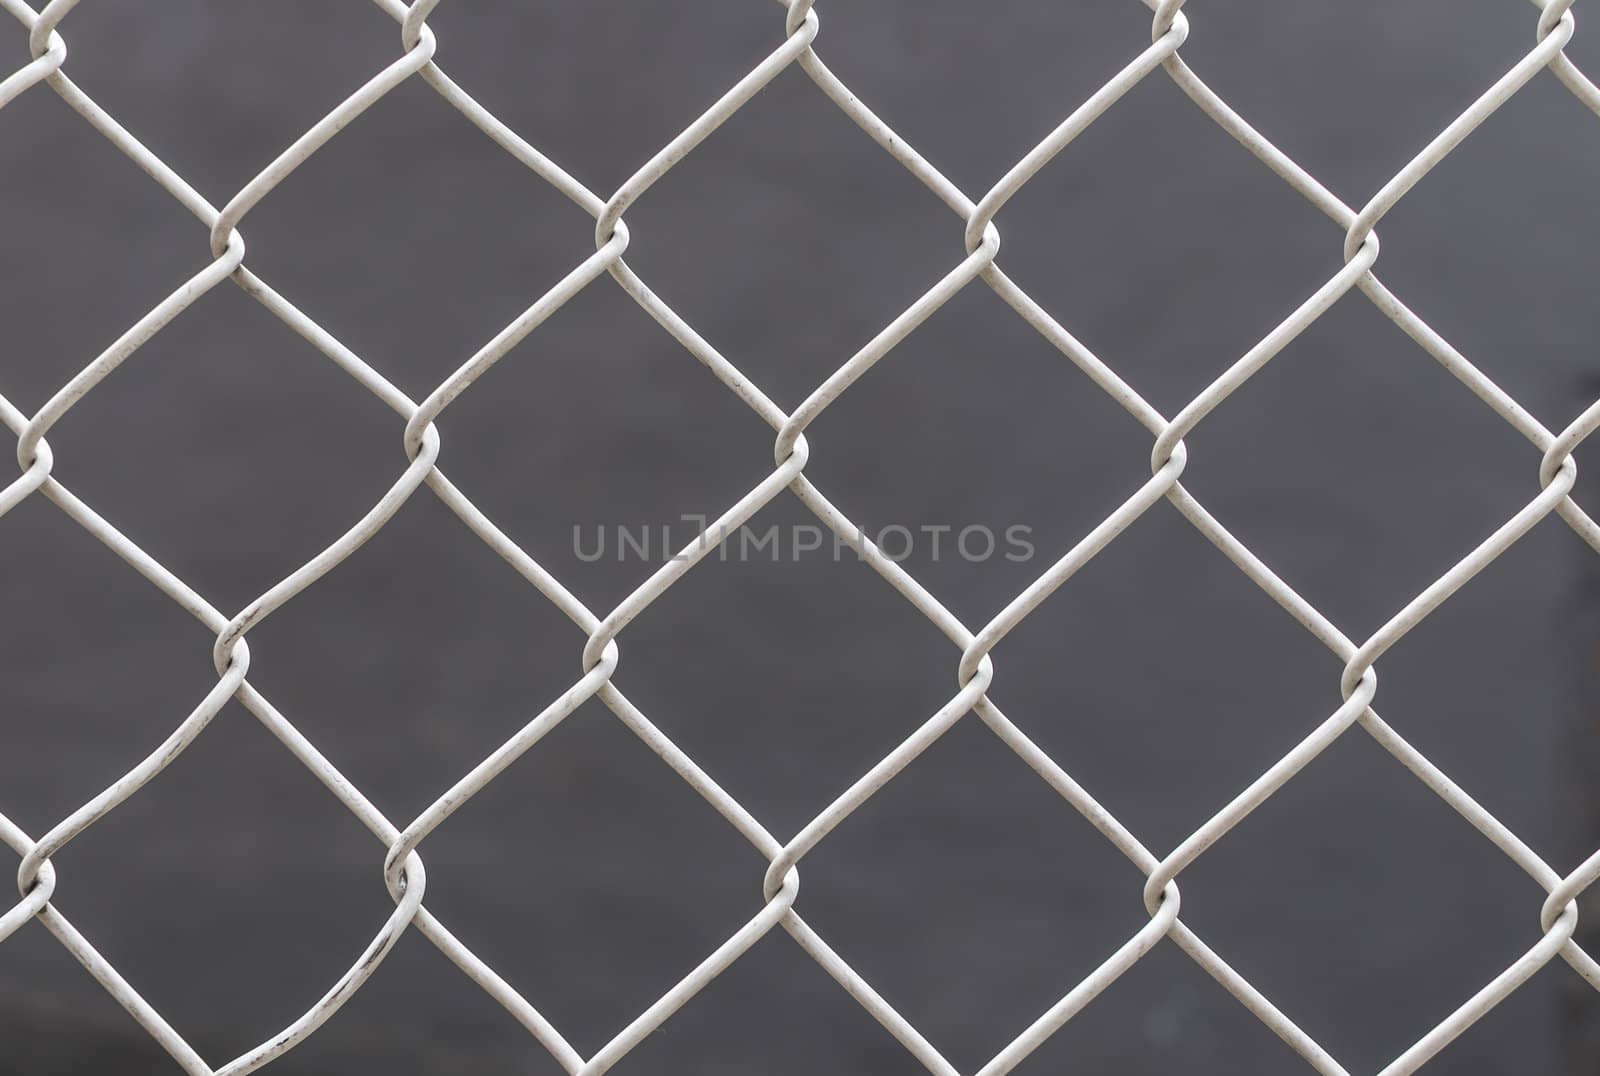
600 656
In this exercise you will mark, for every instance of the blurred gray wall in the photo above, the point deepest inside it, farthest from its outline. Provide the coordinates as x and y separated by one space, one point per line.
233 890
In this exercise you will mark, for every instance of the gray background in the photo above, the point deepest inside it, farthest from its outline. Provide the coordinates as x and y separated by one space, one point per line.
233 890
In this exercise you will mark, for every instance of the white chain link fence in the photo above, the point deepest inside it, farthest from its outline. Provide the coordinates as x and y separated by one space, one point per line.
403 865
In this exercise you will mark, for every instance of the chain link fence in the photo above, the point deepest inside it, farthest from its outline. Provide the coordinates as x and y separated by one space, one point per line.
403 864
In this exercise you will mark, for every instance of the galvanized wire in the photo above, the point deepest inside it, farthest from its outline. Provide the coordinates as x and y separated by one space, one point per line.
404 872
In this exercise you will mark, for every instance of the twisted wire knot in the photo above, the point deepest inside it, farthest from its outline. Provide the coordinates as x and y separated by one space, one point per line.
35 465
1558 459
1169 17
1563 897
1169 451
41 36
1360 239
799 12
785 883
1556 13
414 25
36 879
45 63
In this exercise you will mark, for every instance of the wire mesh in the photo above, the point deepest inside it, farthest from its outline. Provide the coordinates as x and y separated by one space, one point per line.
403 865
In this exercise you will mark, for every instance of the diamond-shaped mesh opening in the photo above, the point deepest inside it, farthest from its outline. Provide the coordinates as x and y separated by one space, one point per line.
1507 189
406 165
245 498
551 443
675 881
683 65
925 893
1290 74
1164 1015
1381 912
859 669
55 1018
83 708
762 997
1132 739
1488 727
1333 413
1003 78
238 827
429 1021
1001 455
208 94
495 653
85 231
703 232
1107 211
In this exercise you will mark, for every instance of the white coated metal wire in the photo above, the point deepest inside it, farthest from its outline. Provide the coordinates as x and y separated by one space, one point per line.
404 871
